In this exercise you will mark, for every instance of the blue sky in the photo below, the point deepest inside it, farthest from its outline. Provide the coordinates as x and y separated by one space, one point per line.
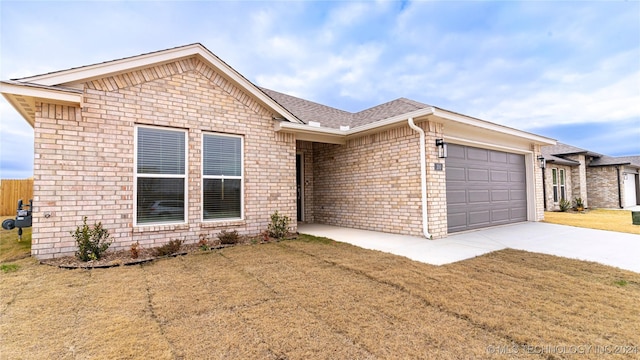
567 70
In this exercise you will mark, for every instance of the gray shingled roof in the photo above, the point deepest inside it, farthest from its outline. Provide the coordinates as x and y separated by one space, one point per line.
564 149
619 160
556 153
306 110
327 116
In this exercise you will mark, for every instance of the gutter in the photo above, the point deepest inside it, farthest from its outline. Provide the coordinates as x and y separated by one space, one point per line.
423 178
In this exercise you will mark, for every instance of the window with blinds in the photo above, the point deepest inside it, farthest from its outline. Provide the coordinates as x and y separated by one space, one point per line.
160 172
222 177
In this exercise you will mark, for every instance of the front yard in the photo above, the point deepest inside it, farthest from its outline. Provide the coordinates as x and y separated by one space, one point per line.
317 299
612 220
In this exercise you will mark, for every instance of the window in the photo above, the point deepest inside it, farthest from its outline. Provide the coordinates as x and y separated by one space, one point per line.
554 176
562 187
222 177
160 173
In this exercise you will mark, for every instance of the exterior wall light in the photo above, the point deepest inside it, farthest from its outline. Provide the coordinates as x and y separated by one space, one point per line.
542 161
442 148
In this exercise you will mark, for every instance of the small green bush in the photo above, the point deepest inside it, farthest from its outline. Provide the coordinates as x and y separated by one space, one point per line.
564 205
279 226
169 248
228 238
92 241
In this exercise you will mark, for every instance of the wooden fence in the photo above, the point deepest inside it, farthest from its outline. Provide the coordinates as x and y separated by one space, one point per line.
13 190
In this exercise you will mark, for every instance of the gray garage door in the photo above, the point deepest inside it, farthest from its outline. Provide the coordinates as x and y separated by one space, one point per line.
484 188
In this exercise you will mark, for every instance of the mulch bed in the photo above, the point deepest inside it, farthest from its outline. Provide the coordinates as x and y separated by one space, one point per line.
123 257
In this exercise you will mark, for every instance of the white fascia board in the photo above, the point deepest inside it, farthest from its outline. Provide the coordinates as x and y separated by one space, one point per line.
493 127
310 133
85 73
54 95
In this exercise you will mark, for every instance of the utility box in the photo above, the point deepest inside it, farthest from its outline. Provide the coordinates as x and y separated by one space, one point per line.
635 217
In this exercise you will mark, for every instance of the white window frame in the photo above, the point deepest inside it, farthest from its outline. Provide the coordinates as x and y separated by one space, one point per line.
563 181
555 181
222 177
166 176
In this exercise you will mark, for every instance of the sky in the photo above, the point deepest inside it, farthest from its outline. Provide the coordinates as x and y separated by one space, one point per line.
561 69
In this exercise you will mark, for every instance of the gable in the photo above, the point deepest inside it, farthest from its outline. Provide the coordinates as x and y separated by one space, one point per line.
64 85
167 71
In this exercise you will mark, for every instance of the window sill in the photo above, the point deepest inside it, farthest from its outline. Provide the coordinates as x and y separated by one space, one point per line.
211 224
159 227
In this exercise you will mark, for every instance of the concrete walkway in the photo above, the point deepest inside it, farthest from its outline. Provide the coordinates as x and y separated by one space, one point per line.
606 247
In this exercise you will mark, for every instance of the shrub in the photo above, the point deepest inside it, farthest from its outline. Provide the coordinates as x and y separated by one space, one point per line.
135 250
564 205
279 226
169 248
92 242
203 244
579 204
228 238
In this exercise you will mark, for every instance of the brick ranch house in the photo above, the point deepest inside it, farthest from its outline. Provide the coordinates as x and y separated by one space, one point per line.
601 181
176 143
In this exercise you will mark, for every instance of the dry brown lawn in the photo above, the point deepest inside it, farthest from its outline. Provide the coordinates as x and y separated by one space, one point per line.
612 220
318 299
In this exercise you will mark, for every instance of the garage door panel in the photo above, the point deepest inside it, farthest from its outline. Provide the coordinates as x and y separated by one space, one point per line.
499 195
518 194
455 173
517 177
499 175
457 221
477 154
479 218
478 175
478 196
515 159
457 197
498 157
455 152
500 215
484 188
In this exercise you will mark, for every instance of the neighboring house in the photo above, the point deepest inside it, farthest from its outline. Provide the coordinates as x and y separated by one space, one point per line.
600 181
176 143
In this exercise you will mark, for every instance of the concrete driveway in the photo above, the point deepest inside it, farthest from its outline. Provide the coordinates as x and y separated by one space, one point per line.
606 247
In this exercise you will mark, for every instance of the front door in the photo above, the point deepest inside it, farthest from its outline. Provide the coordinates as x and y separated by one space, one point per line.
299 177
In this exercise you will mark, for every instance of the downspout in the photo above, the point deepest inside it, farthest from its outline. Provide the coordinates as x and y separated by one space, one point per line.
619 190
423 178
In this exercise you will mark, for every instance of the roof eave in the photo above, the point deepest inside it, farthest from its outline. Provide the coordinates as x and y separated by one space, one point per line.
467 120
24 96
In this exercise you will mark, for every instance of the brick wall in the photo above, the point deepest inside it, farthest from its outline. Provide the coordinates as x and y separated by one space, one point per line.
538 173
373 183
603 187
579 179
84 157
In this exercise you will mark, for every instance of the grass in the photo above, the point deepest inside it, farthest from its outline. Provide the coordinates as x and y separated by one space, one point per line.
12 249
317 299
612 220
